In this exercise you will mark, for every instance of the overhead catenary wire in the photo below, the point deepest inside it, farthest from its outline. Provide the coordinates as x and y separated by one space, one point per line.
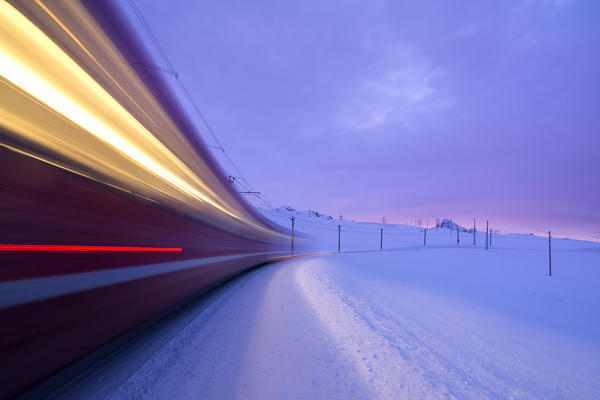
171 70
313 222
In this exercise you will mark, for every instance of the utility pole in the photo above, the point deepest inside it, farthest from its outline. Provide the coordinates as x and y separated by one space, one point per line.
425 237
474 231
457 238
381 234
293 219
487 232
339 236
549 254
490 237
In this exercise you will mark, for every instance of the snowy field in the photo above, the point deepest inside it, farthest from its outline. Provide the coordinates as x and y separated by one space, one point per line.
417 322
321 233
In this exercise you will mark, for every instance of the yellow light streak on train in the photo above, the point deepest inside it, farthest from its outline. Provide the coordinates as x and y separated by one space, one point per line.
31 62
76 40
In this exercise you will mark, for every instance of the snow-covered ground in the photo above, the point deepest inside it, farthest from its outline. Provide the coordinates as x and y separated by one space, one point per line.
320 233
416 322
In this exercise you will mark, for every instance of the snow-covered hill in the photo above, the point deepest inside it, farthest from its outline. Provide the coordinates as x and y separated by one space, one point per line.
317 231
448 224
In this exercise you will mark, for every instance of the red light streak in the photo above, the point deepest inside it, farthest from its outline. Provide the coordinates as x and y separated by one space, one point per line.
52 247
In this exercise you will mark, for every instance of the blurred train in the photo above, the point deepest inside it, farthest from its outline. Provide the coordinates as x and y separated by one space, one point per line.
111 207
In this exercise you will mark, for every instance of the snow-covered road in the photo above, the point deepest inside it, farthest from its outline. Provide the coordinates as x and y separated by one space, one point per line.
430 323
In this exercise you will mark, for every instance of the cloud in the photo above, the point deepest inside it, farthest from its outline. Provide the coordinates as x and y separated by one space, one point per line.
402 92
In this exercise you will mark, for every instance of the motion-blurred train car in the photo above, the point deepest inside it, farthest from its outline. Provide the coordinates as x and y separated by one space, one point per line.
111 207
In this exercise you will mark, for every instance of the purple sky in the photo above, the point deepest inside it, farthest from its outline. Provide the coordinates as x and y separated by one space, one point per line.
408 109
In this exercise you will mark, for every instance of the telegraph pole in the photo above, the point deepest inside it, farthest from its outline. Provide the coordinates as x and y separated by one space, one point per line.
293 219
381 234
549 254
490 237
425 237
457 238
339 236
474 230
487 232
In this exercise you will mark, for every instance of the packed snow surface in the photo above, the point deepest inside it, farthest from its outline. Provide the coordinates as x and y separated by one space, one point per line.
411 321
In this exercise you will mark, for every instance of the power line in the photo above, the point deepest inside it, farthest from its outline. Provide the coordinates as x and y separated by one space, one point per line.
172 71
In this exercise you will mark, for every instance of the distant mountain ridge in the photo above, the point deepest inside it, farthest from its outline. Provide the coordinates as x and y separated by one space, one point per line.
448 224
308 213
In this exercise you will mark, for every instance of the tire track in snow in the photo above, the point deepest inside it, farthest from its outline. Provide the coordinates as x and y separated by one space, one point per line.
385 367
